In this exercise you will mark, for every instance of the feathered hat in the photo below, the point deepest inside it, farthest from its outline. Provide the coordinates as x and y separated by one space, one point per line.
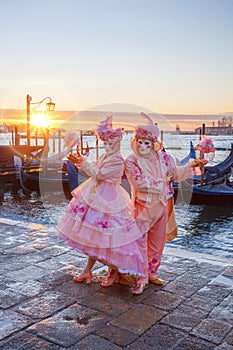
147 131
105 130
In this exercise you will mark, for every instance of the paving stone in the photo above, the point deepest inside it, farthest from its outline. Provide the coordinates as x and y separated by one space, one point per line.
55 250
49 264
215 267
55 277
162 337
27 341
229 338
224 311
124 292
10 242
140 345
27 273
42 308
6 282
45 304
20 261
12 231
182 289
170 259
11 321
176 270
69 326
212 330
193 279
23 249
164 300
9 297
30 288
33 226
224 346
138 319
80 291
189 263
67 258
214 292
166 276
224 281
184 317
94 342
108 304
193 343
6 225
116 335
206 271
228 272
201 303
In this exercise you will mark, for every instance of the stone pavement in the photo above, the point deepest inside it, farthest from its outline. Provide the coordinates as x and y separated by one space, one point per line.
42 308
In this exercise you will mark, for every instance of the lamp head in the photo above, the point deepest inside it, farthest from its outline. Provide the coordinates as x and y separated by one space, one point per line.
50 106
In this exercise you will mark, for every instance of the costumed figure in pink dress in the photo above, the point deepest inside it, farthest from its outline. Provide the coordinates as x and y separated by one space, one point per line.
150 172
98 221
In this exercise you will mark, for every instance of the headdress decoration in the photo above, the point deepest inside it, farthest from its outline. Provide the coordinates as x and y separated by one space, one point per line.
148 131
105 130
206 145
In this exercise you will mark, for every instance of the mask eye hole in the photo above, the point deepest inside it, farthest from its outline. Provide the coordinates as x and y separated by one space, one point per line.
147 143
108 143
140 142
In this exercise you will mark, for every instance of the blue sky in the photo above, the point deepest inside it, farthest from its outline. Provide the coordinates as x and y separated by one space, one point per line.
171 56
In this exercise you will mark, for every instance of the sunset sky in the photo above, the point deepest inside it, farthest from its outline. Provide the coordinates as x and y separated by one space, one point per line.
171 56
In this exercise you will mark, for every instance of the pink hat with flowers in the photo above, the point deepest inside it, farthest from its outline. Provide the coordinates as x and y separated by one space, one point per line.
105 130
148 131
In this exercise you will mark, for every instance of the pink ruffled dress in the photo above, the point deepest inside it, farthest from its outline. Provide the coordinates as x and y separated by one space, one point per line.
98 222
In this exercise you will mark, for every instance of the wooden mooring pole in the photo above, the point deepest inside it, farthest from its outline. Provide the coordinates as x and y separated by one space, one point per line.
202 155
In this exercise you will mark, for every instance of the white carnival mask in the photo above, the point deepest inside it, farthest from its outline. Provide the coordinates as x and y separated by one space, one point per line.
144 147
111 146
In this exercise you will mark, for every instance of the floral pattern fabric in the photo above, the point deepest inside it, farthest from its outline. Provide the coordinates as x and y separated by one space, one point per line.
98 220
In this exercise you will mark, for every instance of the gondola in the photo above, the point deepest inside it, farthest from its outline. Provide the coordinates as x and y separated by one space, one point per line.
213 173
218 171
214 188
49 180
8 172
211 194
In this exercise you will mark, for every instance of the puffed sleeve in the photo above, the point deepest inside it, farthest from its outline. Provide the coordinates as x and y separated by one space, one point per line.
180 173
89 168
111 170
108 170
139 180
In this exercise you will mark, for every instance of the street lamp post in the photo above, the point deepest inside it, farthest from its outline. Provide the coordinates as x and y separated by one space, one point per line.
49 106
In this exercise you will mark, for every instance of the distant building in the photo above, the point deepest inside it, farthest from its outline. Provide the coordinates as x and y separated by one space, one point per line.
216 130
181 132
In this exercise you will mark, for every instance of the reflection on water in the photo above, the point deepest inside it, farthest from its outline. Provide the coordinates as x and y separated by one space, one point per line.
203 229
31 206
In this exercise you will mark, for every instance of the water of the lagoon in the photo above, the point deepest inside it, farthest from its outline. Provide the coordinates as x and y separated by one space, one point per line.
203 229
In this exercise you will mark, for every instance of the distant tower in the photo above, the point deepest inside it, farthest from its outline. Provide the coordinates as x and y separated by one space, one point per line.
177 129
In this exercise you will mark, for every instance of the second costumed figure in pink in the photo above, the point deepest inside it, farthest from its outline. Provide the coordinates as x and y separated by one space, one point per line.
97 220
150 172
